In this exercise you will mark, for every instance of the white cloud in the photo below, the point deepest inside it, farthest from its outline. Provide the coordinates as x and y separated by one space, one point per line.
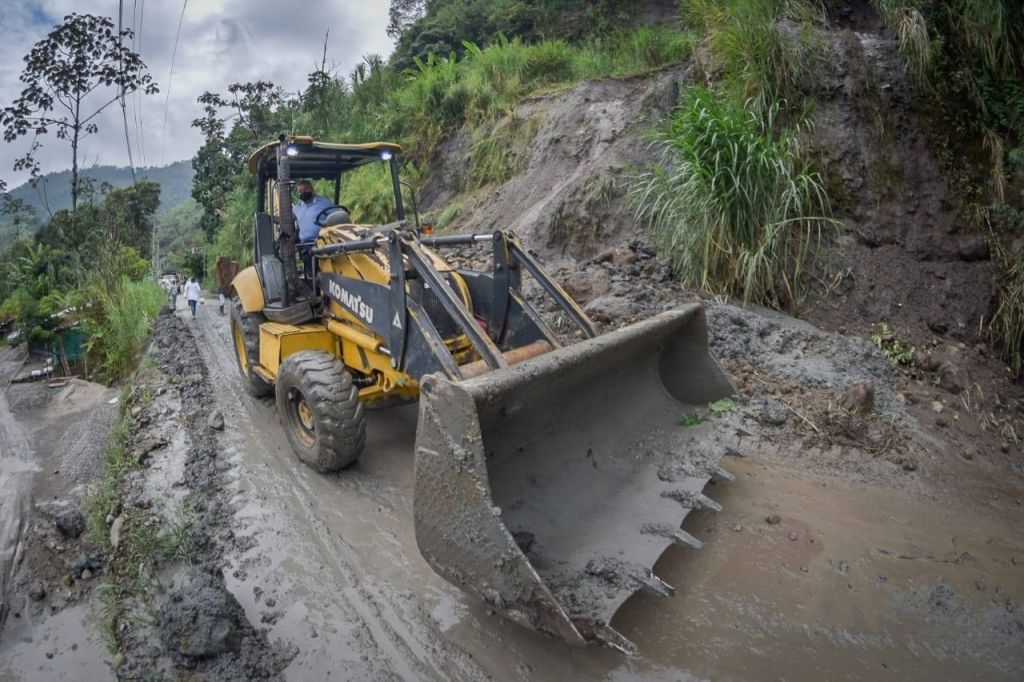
222 42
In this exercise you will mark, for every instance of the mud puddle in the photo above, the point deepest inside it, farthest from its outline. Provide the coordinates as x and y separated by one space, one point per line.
332 567
64 646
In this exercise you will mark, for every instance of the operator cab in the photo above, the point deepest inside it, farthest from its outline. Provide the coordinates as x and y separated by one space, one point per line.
277 166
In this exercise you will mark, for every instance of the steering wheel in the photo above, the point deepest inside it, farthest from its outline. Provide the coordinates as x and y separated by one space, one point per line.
322 215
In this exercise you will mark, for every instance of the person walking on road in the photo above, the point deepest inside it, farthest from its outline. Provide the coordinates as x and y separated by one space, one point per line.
175 289
192 295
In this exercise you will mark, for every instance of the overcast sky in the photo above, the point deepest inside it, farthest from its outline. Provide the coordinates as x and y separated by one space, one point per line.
222 42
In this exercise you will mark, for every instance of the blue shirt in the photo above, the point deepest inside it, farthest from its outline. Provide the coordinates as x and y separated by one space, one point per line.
305 214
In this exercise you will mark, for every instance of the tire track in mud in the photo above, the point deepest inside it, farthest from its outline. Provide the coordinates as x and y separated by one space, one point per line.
356 616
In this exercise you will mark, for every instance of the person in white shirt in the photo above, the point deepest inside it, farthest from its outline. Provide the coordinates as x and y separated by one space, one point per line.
192 295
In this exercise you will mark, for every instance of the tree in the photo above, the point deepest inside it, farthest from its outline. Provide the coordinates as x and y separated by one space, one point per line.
402 14
68 77
19 216
255 114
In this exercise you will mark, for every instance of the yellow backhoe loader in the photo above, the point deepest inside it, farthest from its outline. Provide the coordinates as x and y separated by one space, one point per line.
549 478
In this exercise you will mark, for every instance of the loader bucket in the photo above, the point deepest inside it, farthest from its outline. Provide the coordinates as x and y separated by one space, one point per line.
549 489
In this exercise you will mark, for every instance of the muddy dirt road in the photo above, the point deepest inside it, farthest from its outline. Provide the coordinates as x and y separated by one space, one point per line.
852 582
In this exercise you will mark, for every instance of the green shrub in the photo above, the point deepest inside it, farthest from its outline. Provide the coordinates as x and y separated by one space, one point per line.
756 52
732 203
896 351
119 316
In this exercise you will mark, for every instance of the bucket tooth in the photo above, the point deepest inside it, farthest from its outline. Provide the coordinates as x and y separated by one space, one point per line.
692 500
719 475
653 584
609 636
705 502
677 535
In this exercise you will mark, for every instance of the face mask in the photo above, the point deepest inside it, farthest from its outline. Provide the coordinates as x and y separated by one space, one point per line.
306 196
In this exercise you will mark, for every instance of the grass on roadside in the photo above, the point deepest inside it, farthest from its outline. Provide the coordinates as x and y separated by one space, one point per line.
147 538
118 323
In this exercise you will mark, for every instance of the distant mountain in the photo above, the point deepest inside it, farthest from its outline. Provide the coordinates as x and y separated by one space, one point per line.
175 185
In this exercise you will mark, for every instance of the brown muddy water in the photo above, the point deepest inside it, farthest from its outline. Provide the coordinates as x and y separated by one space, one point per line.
853 582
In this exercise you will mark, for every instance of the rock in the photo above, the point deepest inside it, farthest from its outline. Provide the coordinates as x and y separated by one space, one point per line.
68 580
793 536
1004 447
909 466
952 376
92 562
611 308
70 522
859 398
86 574
737 528
200 618
585 285
773 519
937 407
972 247
119 660
140 451
37 592
115 532
773 415
215 421
623 256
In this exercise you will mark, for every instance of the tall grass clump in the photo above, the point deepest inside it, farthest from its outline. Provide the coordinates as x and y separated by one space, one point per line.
732 202
911 31
119 317
1007 326
763 46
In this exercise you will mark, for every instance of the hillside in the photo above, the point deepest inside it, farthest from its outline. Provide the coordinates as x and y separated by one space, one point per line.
54 190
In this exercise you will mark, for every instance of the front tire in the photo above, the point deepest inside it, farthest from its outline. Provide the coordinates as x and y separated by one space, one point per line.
320 410
245 337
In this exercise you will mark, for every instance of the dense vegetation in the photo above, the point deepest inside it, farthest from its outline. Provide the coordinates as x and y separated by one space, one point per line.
88 270
419 106
734 200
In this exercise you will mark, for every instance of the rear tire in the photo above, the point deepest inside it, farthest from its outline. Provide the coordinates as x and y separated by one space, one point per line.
320 410
245 337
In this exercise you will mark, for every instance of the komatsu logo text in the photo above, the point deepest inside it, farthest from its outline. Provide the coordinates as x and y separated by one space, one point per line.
351 301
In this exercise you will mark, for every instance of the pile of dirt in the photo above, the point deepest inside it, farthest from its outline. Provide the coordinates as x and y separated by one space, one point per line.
568 201
903 269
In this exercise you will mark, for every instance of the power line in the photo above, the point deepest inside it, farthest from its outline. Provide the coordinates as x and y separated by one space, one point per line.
167 100
124 111
136 48
138 94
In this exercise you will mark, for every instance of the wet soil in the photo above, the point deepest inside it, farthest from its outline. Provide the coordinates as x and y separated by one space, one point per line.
896 581
51 438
